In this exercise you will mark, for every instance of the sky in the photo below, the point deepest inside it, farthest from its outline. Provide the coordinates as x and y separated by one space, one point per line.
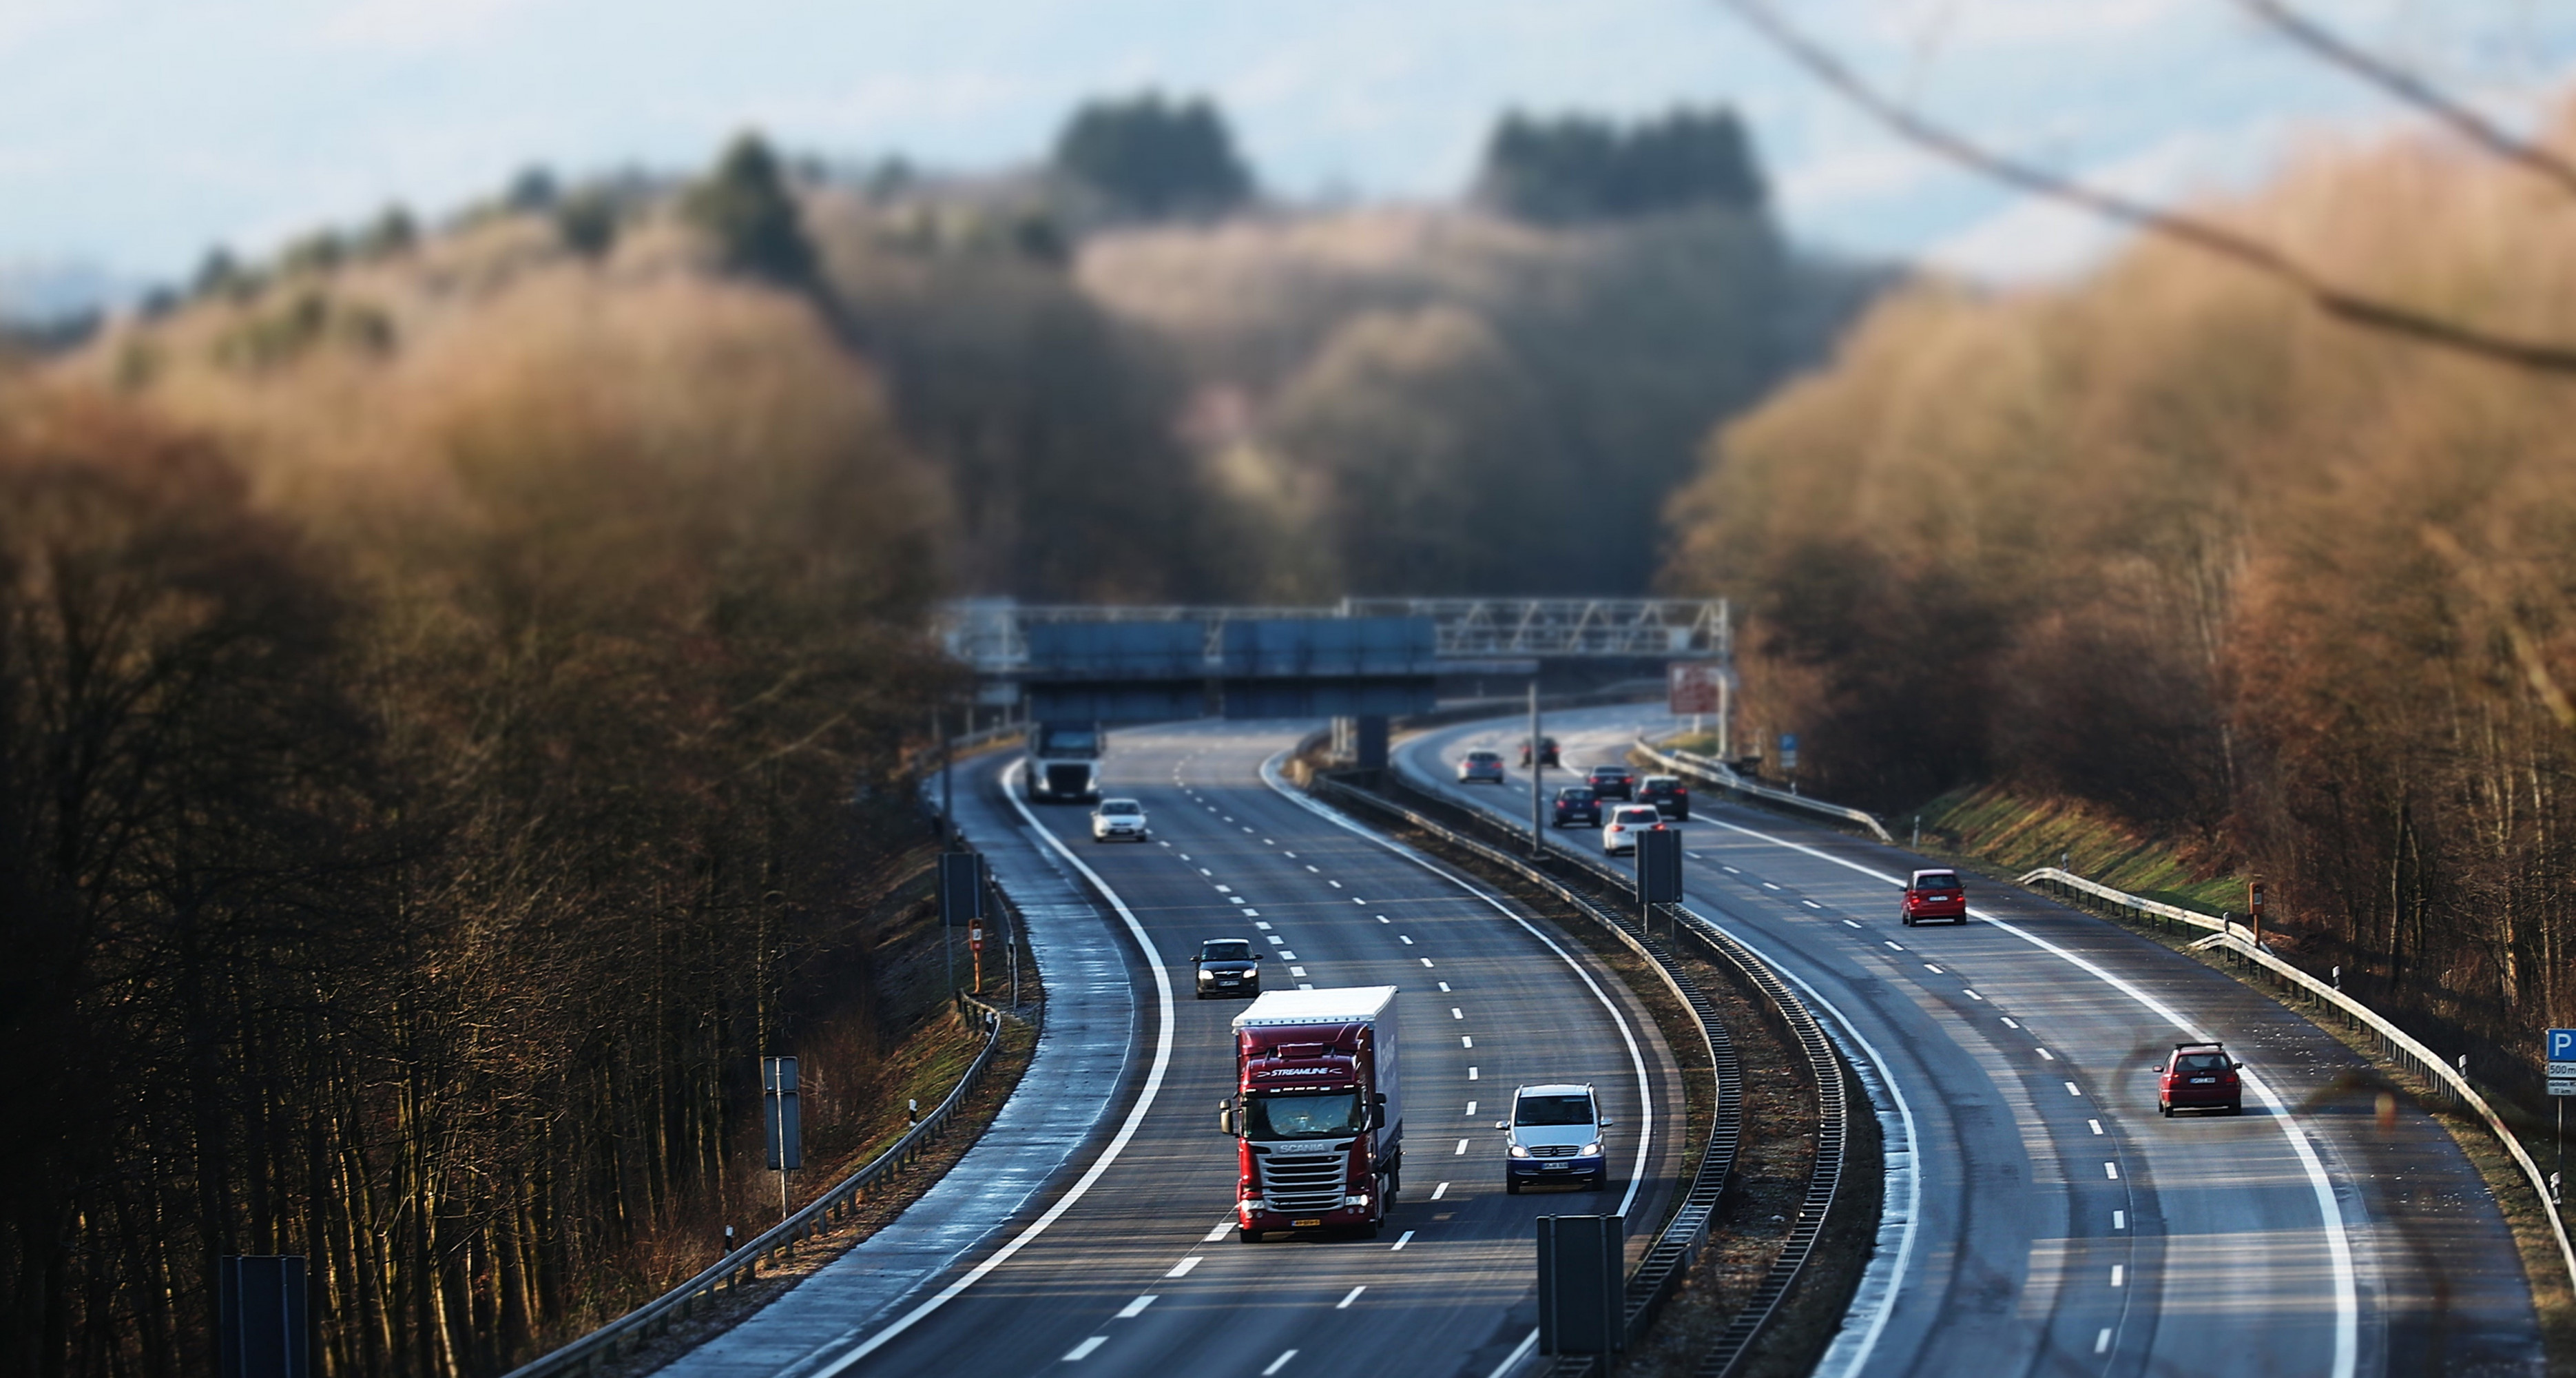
135 134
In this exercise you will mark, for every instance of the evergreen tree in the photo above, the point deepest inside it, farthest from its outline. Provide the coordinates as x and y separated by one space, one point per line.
1154 157
1579 167
745 206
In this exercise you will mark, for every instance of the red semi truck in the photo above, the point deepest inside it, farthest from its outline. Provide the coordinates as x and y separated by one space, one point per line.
1317 1111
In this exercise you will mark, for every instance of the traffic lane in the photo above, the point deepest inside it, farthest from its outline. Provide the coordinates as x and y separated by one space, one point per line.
1982 1291
1461 1204
2435 1265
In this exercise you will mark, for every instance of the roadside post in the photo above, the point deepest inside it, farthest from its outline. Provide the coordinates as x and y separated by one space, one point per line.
2559 1051
260 1318
1537 767
961 901
2254 908
784 1143
975 944
1579 1277
1659 874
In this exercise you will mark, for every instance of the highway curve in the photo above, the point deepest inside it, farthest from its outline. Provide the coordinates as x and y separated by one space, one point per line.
1142 1274
2061 1225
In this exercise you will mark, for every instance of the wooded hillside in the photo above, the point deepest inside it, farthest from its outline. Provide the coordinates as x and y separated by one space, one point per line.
2171 542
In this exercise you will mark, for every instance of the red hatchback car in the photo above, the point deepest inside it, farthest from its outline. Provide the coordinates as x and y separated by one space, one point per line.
1934 897
2199 1076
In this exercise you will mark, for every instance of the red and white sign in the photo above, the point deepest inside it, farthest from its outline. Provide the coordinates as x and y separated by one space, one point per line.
1692 686
975 936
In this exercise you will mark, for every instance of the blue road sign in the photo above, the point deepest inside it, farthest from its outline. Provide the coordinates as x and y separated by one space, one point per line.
2562 1045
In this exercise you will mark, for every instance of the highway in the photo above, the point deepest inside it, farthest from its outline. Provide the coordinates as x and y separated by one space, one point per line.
2061 1225
1141 1272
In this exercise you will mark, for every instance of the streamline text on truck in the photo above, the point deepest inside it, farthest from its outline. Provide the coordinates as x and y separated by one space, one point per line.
1317 1112
1064 762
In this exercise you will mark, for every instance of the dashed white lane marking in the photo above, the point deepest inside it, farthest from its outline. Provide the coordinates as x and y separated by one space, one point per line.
1334 883
1457 1013
2119 1274
1312 867
1221 1231
1927 966
1408 942
1225 889
1728 869
1972 994
2011 1023
1769 886
1345 1303
1384 919
1466 1041
1462 1149
1894 944
1182 1268
1263 926
2119 1220
1849 924
1083 1350
2048 1055
1811 904
1471 1110
1305 985
1135 1308
1269 842
2111 1170
2097 1125
1296 971
1439 1191
2102 1340
1279 1363
1202 870
1404 1239
1471 1074
1275 939
1426 961
1252 913
1287 956
1356 900
1247 830
2074 1090
1292 856
1444 985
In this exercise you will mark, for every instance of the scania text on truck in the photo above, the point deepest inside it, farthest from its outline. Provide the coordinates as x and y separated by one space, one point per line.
1064 763
1317 1111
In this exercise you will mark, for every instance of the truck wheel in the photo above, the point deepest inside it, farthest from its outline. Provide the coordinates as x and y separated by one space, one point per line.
1245 1236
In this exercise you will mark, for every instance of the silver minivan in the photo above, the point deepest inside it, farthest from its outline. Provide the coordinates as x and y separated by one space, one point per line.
1554 1135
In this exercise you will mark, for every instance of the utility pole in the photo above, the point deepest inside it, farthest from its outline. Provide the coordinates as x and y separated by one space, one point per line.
1538 767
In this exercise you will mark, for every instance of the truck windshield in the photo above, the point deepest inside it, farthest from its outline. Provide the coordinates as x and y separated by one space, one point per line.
1553 1110
1069 741
1312 1115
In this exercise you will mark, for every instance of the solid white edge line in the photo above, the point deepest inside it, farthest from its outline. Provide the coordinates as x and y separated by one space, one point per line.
2347 1342
1100 1165
1636 1058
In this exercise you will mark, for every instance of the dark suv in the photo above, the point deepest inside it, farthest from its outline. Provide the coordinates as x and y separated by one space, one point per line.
2199 1076
1228 966
1612 782
1546 751
1667 793
1934 897
1577 804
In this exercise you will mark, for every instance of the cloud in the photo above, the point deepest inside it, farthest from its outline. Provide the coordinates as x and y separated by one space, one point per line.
414 25
2038 239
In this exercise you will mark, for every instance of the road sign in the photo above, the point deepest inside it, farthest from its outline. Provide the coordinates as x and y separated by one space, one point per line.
2561 1070
2563 1088
975 935
1789 751
785 1146
261 1329
1659 867
2560 1046
1691 687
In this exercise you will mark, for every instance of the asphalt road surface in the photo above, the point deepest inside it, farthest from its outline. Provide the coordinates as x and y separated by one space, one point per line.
1142 1273
2060 1225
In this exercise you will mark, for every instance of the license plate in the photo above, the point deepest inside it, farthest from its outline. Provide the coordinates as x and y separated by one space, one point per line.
1306 1224
2204 1081
1551 1167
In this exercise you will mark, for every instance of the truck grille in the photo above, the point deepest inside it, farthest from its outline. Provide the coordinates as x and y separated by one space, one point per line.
1302 1182
1068 779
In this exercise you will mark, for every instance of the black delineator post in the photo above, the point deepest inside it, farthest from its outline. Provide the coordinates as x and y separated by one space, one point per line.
261 1325
1580 1292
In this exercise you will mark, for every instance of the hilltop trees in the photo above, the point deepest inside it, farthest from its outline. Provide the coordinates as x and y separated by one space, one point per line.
744 205
1580 168
1153 157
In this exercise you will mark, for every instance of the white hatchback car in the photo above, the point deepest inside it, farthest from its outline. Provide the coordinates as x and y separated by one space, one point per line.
1118 819
1626 821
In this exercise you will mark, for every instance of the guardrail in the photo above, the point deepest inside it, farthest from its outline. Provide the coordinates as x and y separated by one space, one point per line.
1678 1244
730 1272
1712 769
2396 1042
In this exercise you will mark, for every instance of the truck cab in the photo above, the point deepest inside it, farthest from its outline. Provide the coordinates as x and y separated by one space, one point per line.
1317 1112
1064 762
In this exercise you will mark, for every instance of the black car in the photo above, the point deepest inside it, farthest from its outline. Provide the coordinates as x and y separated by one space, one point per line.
1546 751
1667 793
1577 804
1228 966
1613 782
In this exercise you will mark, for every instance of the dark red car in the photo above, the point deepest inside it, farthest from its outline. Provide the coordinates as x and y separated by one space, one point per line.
1934 897
2199 1076
1612 782
1577 804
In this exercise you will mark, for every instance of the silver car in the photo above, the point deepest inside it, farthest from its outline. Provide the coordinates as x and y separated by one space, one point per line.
1480 765
1554 1135
1119 820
